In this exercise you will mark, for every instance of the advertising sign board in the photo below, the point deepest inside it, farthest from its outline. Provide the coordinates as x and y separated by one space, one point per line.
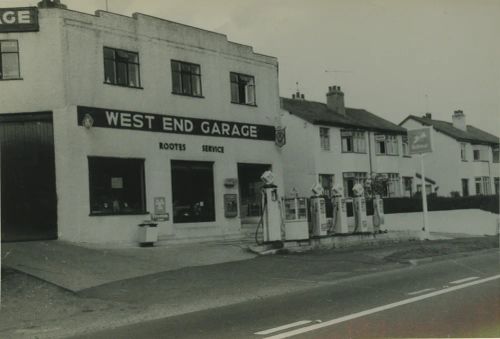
20 19
420 140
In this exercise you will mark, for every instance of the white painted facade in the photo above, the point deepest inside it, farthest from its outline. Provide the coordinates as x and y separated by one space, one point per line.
445 165
304 160
62 67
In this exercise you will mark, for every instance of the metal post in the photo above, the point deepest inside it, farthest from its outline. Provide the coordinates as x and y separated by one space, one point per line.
426 232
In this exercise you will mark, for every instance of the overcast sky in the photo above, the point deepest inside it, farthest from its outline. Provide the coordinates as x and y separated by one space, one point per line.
392 54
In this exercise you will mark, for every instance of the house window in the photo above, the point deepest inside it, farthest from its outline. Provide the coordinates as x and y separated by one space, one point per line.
497 185
477 155
408 186
463 151
351 179
121 68
496 154
9 60
326 181
392 185
186 78
406 148
386 144
193 191
242 89
353 141
465 187
324 137
428 188
116 186
483 185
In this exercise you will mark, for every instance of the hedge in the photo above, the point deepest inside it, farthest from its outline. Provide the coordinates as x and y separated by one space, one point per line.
488 203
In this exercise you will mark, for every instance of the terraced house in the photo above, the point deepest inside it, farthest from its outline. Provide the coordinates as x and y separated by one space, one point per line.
465 159
333 144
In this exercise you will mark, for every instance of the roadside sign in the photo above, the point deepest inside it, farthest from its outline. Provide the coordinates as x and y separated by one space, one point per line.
420 140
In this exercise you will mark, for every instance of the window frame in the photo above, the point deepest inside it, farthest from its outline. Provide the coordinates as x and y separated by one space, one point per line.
388 139
114 82
142 184
495 150
405 145
478 152
355 137
328 179
190 75
238 83
356 177
463 151
324 139
18 60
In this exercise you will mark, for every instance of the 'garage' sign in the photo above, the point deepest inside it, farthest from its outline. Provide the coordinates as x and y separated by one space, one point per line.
22 19
109 118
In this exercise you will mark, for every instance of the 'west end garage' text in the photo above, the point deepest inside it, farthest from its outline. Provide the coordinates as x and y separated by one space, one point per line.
173 124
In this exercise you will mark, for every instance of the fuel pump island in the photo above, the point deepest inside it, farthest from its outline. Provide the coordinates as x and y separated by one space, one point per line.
301 218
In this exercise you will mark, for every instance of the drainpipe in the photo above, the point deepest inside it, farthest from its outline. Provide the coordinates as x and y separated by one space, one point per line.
370 151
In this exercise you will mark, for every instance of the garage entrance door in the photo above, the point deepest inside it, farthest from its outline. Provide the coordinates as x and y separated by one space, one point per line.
28 191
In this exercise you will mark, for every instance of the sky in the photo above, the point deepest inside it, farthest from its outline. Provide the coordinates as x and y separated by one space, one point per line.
391 57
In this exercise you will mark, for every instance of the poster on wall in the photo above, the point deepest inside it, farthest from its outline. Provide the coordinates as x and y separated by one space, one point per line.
230 205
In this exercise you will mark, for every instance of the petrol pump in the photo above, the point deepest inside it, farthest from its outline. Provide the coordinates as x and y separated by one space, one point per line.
272 224
359 207
378 213
339 220
319 223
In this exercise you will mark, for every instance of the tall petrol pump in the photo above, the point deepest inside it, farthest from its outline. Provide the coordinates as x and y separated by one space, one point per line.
359 207
378 213
272 222
339 217
319 223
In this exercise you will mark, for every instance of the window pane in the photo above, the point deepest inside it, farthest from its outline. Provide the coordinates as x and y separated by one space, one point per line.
109 71
186 83
133 74
176 66
234 92
116 186
8 46
196 82
250 94
176 83
195 69
10 66
121 73
122 55
109 53
133 57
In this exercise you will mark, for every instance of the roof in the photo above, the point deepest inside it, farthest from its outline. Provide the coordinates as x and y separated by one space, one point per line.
472 135
318 113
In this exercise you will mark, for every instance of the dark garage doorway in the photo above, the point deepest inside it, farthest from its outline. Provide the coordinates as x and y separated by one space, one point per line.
28 190
250 186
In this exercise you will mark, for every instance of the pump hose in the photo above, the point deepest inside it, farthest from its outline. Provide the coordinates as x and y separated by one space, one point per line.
260 224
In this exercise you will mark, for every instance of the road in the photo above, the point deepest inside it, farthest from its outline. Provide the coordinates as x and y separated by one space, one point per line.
457 298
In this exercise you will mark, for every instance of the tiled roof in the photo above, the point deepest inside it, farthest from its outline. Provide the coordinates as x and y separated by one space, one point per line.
318 113
473 134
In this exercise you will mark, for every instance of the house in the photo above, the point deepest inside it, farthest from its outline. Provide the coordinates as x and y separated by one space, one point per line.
106 120
333 144
465 159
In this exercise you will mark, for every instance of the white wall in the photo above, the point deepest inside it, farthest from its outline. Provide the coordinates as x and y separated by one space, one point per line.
444 164
469 221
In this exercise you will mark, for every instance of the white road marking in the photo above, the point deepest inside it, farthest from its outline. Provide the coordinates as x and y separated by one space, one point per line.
421 291
284 327
463 280
379 309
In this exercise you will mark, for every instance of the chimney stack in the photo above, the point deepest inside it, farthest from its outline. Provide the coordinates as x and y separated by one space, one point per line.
458 119
51 4
335 99
427 116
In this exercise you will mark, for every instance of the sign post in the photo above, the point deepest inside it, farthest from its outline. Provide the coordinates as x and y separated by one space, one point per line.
420 142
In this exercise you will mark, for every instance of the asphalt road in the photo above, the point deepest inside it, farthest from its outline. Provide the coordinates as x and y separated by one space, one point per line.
457 298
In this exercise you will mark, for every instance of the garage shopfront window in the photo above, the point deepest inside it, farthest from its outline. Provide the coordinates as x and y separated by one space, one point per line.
193 191
116 186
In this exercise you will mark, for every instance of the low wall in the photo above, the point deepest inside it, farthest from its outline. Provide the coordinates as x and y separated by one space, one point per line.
468 221
340 241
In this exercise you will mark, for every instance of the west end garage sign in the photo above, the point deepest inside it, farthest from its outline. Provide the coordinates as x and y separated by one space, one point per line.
21 19
107 118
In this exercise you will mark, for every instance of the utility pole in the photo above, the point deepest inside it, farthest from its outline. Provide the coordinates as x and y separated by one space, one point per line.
107 6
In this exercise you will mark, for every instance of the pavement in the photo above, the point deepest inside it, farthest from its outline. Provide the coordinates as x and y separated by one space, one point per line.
54 289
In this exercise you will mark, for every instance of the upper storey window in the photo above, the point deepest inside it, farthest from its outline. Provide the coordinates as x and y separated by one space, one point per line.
121 68
386 144
186 78
242 89
9 60
353 141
